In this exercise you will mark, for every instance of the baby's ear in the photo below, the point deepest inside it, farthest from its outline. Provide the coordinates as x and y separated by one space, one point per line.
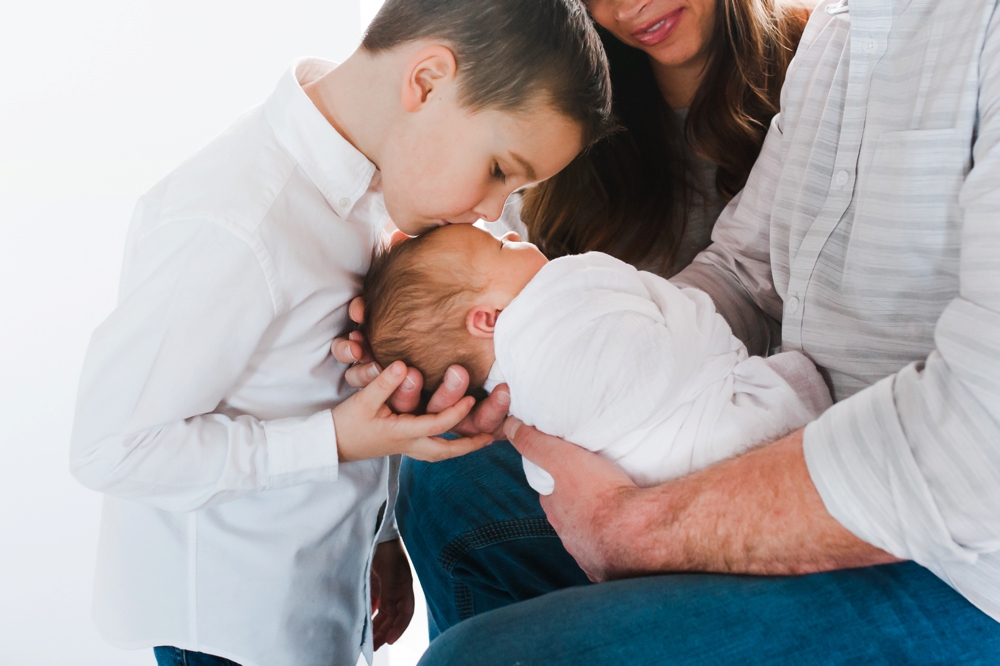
481 321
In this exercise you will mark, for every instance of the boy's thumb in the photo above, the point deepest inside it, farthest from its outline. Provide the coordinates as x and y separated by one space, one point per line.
376 393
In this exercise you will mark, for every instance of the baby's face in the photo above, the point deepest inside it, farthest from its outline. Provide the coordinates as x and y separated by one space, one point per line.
506 265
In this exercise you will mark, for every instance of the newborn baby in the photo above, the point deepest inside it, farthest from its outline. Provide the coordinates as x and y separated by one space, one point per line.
615 360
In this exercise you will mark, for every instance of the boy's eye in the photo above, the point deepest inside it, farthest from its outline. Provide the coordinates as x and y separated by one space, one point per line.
497 173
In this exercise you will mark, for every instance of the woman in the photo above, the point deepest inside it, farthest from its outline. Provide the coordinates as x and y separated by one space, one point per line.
696 84
695 88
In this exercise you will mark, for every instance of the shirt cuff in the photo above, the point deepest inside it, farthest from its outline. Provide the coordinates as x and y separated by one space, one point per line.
861 463
302 444
389 531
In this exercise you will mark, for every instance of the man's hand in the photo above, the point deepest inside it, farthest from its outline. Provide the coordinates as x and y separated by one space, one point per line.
486 417
367 428
589 502
392 593
758 513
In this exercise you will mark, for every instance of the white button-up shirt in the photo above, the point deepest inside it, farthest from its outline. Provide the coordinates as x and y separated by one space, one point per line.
204 407
870 226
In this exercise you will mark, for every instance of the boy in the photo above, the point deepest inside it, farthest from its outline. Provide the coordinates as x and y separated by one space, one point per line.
618 361
246 492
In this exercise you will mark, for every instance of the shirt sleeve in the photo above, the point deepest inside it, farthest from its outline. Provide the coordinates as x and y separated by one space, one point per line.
194 306
735 270
912 464
388 530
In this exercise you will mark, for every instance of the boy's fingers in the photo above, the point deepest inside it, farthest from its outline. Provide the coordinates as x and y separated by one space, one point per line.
358 338
452 389
360 376
346 351
356 310
436 449
406 399
378 391
448 418
404 613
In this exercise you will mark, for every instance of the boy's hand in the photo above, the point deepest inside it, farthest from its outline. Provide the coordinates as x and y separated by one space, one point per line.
487 417
367 428
392 593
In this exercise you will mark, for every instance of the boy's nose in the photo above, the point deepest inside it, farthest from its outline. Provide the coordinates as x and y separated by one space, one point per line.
491 209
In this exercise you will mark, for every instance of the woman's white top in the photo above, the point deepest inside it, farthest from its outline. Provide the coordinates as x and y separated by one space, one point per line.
204 408
623 363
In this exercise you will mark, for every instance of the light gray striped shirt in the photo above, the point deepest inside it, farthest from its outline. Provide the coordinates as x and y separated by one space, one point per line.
870 226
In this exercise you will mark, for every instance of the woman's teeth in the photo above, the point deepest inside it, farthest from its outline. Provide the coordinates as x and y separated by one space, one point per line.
657 26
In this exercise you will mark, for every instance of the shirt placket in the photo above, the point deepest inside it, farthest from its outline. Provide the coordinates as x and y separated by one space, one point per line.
870 22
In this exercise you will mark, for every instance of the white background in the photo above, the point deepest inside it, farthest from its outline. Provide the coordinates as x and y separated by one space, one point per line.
98 101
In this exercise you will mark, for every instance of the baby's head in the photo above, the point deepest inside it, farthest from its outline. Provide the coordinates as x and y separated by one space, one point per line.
433 301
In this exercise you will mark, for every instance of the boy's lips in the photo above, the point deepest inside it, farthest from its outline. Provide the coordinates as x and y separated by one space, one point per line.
659 29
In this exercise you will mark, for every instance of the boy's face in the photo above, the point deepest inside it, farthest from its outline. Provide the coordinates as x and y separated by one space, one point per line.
448 165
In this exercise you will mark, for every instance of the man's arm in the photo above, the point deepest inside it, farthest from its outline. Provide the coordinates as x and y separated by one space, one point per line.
758 513
735 270
912 464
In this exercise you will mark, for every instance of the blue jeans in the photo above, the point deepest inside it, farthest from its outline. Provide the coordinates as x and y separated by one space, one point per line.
483 550
171 656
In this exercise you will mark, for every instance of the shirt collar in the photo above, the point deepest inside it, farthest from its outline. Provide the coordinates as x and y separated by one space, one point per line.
338 169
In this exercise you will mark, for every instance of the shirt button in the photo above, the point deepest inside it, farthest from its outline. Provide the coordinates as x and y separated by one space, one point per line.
869 45
842 178
344 202
792 305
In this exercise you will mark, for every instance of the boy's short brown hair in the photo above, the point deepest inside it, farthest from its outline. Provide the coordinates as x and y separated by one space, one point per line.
509 52
416 301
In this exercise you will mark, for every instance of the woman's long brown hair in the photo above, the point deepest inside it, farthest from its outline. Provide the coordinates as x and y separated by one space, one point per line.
629 195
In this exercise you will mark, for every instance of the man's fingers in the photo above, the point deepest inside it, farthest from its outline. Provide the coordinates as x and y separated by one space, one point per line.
407 397
546 451
360 376
452 389
356 310
491 412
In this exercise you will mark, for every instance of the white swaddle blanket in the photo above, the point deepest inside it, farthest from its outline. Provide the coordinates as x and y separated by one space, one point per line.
625 364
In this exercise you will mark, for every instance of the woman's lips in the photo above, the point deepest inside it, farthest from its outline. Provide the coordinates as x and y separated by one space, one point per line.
658 30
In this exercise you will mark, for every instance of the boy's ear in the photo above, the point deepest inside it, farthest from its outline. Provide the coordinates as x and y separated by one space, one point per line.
428 69
481 321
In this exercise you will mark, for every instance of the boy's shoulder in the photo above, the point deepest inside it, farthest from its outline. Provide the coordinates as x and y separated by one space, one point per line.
232 181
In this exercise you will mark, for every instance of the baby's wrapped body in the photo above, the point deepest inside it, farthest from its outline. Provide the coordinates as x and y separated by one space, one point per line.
625 364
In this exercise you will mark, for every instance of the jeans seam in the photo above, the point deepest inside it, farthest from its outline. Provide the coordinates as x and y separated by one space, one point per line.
464 605
488 535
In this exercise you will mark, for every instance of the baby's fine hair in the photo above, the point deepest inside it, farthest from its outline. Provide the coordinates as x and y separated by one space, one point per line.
416 302
509 52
